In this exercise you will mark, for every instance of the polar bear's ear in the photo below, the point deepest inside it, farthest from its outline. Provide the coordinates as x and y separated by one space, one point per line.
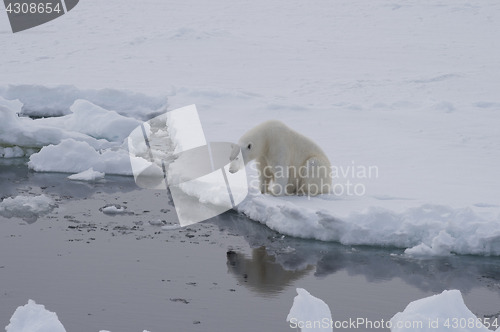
249 146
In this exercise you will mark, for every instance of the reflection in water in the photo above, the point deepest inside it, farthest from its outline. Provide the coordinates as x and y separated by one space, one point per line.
261 273
296 257
16 179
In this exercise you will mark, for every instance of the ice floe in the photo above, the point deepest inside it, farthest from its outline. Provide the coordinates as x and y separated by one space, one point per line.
28 208
88 175
34 317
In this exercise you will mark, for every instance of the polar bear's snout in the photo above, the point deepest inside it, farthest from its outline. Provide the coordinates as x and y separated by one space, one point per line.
236 159
235 165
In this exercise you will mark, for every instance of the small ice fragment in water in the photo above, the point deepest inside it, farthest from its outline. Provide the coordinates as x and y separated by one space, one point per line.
308 309
29 208
112 209
157 222
34 317
88 175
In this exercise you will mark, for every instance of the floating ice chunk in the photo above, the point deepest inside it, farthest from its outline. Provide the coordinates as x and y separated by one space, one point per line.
432 313
71 156
442 312
88 175
28 208
442 245
309 313
34 317
157 222
170 227
113 210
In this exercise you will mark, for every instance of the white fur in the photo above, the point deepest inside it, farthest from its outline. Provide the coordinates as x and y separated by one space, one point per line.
287 162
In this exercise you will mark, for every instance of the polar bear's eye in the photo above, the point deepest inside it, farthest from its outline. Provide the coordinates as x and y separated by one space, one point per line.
249 146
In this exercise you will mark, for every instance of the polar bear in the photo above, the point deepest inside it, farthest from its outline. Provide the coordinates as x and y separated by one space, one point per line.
287 162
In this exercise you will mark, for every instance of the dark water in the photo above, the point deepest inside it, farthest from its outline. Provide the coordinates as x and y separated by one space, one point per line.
119 273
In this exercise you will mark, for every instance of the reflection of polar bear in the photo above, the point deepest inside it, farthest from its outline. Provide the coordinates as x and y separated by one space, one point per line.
262 273
294 163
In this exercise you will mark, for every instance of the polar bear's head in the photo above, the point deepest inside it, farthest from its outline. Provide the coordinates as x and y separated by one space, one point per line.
242 153
251 145
236 158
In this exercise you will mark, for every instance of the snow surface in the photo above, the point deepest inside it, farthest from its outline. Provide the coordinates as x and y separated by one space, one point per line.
34 317
44 101
409 88
26 207
88 175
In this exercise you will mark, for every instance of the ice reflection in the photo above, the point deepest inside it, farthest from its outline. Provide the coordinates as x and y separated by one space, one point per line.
289 259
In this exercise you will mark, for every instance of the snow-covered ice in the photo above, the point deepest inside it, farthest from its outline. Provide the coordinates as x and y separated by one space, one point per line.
28 133
15 152
47 101
34 317
71 156
88 175
94 121
428 229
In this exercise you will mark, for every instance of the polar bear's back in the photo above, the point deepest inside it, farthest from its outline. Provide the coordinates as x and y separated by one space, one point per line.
278 135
